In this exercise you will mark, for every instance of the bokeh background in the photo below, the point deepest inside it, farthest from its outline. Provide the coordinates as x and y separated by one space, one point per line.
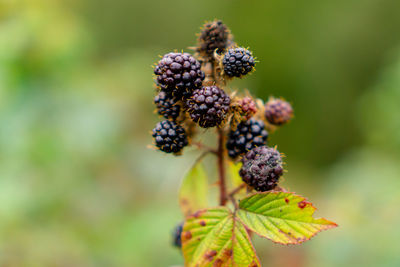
78 185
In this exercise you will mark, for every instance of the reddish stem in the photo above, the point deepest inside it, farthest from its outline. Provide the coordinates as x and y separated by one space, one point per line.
221 167
237 189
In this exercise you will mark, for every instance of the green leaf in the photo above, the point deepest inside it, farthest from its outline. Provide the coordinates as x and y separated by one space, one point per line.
284 218
193 191
215 237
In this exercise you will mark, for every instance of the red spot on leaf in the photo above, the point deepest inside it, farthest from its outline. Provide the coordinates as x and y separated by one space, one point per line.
286 200
228 252
253 264
187 235
210 255
202 223
218 263
302 204
197 214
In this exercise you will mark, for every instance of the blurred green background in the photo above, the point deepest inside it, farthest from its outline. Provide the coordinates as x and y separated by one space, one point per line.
78 185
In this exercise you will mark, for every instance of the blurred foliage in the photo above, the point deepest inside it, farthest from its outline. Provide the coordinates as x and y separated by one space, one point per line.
78 185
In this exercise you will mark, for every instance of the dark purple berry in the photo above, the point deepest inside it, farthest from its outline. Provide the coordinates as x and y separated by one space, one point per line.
262 167
208 106
248 135
169 136
167 105
179 74
237 62
177 234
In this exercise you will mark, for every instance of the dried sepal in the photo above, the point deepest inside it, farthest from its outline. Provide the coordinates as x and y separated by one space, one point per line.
214 37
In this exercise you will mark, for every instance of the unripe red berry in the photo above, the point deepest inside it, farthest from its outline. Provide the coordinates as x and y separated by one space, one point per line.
278 111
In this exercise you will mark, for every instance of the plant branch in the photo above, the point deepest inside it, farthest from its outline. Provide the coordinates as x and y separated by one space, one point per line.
221 167
231 195
234 202
237 189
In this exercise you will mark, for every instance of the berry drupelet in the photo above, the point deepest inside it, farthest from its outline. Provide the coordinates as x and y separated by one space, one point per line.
261 169
169 136
237 62
208 106
179 74
278 111
214 36
167 105
248 135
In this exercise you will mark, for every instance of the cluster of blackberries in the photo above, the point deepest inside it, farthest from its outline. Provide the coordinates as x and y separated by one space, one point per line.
190 94
177 76
179 79
262 167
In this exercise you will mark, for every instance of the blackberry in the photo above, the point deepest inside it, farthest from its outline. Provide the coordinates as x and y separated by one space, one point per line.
208 106
248 107
237 62
169 136
179 74
167 105
177 242
248 135
278 111
214 35
261 169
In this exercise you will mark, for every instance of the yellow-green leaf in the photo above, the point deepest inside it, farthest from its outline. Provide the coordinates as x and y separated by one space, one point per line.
214 237
282 217
193 191
233 170
235 179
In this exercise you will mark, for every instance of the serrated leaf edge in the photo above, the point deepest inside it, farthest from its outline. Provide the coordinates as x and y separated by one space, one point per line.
330 224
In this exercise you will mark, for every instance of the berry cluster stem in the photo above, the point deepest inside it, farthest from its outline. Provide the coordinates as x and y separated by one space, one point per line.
221 167
220 153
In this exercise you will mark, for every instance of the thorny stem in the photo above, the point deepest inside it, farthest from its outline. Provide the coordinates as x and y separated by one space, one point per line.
221 167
